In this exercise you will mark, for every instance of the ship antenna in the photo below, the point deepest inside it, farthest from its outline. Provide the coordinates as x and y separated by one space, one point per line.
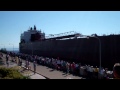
34 27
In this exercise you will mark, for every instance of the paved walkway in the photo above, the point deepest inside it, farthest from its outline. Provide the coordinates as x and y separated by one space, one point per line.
50 73
24 72
36 76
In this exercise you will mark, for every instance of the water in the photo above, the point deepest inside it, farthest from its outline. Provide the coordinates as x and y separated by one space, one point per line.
16 50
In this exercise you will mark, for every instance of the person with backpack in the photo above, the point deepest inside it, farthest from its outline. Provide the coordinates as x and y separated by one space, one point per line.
20 61
34 66
7 60
67 67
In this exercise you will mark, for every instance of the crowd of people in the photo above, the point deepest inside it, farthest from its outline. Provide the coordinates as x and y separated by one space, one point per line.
68 67
1 55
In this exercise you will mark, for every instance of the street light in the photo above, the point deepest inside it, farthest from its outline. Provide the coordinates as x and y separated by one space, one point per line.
99 49
13 46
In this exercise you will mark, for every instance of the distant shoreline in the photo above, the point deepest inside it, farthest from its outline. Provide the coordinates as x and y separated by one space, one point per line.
16 50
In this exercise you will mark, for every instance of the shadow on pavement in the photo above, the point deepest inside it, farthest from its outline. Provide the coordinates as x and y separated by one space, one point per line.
23 70
51 70
31 75
47 68
63 74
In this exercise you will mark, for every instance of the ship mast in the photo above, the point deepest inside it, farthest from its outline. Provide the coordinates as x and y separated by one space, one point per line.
34 27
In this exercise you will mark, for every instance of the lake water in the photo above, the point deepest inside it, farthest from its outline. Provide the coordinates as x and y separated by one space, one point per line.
16 50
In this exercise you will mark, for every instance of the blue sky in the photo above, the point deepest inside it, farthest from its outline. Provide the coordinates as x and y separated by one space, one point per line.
12 23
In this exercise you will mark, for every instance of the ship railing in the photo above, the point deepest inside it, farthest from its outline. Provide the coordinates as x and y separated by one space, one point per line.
62 34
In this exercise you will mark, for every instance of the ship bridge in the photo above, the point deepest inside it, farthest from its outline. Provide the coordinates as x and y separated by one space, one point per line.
71 34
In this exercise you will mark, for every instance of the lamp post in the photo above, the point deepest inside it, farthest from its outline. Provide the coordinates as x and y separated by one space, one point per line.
13 47
99 50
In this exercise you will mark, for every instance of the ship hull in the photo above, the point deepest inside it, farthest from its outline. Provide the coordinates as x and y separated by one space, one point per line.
80 50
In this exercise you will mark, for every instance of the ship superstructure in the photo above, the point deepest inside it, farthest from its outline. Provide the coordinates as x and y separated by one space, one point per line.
32 35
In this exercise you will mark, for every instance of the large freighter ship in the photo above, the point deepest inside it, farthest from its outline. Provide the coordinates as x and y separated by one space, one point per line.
70 46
